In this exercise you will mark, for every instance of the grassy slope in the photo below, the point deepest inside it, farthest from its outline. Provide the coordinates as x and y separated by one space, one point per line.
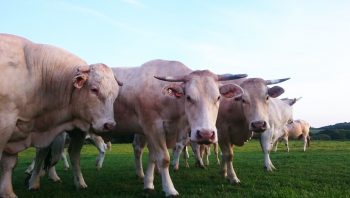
323 171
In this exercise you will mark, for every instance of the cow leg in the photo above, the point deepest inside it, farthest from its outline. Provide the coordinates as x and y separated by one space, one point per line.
227 167
7 163
65 161
198 155
176 155
159 152
149 177
7 126
287 145
266 144
305 142
186 156
101 147
216 151
30 167
206 153
77 141
53 174
34 181
276 145
139 143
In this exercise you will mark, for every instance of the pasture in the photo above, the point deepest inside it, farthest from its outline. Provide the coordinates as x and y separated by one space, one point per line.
322 171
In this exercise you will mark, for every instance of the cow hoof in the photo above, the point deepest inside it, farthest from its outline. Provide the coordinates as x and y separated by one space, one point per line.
66 168
235 181
170 196
11 195
56 180
149 191
34 189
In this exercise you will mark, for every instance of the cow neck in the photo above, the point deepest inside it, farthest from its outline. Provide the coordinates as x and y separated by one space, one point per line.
53 70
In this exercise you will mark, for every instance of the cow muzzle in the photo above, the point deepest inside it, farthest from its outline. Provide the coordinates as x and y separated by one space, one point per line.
205 136
258 126
103 126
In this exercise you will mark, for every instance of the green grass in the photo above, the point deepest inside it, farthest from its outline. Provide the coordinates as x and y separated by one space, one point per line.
322 171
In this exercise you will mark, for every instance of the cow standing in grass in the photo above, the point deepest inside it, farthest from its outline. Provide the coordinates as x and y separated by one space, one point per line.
45 90
298 129
165 108
249 113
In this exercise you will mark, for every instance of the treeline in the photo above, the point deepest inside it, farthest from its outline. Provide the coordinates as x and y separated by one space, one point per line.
331 134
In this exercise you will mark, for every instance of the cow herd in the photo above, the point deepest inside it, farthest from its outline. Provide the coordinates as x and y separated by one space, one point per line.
46 91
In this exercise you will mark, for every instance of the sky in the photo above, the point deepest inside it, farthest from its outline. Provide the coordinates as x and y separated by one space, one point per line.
308 41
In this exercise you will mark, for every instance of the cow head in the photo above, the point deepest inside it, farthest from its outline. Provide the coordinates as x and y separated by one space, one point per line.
201 91
95 90
255 101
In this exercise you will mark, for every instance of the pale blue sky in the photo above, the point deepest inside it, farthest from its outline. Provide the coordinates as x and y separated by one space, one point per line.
308 41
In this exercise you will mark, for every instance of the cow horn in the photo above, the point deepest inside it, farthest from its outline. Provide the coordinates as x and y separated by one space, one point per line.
224 77
270 82
171 78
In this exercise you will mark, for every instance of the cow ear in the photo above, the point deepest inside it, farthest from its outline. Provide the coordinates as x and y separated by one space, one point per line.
79 80
174 90
275 91
231 91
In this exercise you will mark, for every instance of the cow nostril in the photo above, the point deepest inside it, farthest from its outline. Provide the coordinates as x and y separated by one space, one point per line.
212 135
198 132
108 125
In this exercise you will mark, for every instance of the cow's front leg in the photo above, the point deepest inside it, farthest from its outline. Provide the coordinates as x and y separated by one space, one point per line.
266 145
77 141
7 163
159 152
227 167
198 155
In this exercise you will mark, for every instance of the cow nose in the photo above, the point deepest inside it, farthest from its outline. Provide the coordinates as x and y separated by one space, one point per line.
205 136
108 126
259 126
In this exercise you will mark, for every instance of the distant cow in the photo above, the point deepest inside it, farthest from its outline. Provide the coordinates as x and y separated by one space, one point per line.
45 90
239 118
298 129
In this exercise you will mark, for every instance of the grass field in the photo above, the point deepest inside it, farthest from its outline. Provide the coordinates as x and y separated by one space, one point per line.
322 171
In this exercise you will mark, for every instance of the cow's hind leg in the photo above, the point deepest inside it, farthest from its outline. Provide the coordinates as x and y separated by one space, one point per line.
139 143
77 141
34 181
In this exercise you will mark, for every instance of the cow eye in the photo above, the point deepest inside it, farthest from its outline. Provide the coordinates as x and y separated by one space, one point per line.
218 98
94 90
267 97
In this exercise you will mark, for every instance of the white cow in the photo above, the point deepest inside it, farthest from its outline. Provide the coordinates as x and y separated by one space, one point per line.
238 119
298 129
189 101
45 90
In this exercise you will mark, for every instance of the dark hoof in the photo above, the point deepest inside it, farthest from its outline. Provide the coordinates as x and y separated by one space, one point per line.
149 191
171 196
